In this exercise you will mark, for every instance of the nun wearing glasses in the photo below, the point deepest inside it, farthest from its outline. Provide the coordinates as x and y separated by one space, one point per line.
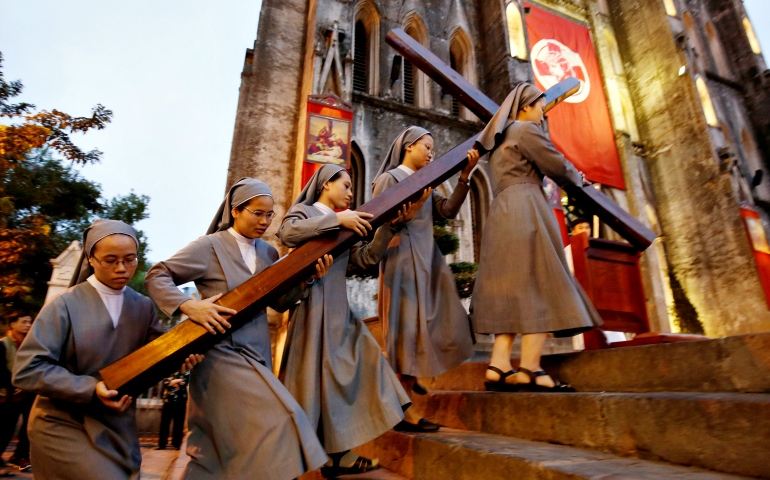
243 422
78 428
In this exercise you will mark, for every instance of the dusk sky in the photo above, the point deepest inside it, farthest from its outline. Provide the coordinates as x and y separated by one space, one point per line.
170 72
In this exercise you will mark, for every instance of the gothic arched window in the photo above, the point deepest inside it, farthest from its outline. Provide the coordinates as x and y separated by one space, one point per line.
366 51
717 51
357 176
753 41
416 84
516 38
670 8
462 60
693 38
705 100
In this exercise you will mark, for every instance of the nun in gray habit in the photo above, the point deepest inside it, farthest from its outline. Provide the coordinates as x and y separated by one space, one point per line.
524 284
425 326
332 364
243 423
73 435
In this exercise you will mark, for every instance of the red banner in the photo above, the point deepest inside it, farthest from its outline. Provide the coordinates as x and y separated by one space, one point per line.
581 127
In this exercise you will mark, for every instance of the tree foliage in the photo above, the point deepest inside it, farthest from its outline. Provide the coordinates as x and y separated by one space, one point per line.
44 201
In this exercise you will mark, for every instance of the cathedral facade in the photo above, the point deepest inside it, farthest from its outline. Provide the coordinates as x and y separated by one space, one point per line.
684 85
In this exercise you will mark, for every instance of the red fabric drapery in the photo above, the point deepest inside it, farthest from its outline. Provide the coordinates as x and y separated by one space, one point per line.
581 127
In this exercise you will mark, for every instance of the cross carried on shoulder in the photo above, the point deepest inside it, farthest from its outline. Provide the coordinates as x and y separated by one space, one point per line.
135 373
588 198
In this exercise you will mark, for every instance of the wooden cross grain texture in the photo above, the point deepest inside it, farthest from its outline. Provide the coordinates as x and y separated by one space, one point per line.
587 197
135 373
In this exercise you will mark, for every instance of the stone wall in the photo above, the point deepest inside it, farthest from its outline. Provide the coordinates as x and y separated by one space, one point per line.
265 136
676 181
705 240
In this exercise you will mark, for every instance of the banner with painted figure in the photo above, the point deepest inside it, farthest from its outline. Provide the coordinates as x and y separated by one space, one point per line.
581 127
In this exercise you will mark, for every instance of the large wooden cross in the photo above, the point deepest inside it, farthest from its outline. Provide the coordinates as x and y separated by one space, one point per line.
588 198
135 373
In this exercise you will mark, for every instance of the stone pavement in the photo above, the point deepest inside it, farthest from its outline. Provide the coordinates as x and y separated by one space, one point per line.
155 463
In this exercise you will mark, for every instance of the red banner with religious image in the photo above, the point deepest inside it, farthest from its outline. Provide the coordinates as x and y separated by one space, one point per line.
581 127
328 133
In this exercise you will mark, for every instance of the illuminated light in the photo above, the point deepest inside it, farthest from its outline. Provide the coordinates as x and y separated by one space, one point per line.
705 100
682 70
670 8
752 38
516 31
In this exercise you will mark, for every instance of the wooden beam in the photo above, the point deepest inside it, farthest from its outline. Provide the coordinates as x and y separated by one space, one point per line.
135 373
588 198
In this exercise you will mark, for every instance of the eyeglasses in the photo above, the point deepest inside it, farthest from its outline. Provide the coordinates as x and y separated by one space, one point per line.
429 149
261 215
114 263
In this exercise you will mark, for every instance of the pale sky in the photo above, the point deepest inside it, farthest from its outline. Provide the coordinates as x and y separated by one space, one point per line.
170 72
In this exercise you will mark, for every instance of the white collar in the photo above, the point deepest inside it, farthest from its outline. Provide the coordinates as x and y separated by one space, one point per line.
323 208
406 169
241 239
102 288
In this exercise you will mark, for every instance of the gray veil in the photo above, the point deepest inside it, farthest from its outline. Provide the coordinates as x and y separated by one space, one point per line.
96 231
522 95
309 195
242 191
396 153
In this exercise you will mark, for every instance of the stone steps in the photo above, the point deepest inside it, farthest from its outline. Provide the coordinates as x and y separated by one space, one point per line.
379 474
462 455
727 432
732 364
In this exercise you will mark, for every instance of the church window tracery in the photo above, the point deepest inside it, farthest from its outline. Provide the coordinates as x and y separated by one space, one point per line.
416 84
462 60
516 40
366 52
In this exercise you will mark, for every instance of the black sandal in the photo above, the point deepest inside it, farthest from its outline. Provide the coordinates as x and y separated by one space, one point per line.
534 387
501 385
419 389
361 465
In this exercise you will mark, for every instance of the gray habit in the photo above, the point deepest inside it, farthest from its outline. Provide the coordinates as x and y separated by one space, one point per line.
424 324
523 283
73 435
332 364
243 423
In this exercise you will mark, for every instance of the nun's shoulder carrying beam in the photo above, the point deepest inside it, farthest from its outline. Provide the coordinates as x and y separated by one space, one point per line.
135 373
140 370
588 198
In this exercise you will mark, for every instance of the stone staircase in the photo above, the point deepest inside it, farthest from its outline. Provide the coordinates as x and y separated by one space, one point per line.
695 410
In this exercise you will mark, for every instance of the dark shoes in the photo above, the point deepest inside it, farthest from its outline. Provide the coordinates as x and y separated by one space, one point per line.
421 427
24 464
419 389
502 386
361 465
534 387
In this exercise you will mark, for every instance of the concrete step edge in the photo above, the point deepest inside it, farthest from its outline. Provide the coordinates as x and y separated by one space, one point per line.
465 455
724 432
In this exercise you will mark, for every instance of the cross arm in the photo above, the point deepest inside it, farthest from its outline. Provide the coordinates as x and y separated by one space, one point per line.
589 198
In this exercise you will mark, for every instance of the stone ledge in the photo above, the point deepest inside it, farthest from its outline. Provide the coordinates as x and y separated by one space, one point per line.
727 432
732 364
472 455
